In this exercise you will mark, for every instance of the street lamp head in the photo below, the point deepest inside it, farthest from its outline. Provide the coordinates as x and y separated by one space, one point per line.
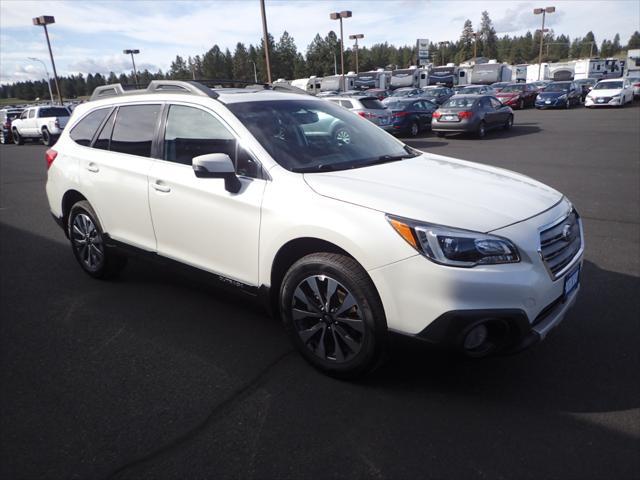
127 52
334 15
357 35
338 15
345 13
44 20
550 9
538 11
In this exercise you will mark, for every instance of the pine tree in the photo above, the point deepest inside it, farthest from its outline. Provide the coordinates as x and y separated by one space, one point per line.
465 48
488 36
634 41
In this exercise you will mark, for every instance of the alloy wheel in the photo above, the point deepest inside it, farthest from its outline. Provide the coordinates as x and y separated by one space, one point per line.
87 242
414 129
328 319
343 136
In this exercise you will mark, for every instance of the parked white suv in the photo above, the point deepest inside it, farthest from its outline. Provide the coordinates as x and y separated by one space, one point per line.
43 123
344 240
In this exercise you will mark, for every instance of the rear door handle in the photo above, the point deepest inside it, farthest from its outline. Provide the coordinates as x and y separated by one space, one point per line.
160 187
92 167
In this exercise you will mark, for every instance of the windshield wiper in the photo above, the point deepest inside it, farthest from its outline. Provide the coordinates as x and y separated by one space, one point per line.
323 167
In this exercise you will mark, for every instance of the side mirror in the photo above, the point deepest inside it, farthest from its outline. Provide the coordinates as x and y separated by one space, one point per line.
217 165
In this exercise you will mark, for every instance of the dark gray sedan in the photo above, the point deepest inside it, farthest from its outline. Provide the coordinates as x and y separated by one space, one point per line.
471 114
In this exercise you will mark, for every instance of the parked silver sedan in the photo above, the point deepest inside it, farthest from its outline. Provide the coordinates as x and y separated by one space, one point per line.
367 107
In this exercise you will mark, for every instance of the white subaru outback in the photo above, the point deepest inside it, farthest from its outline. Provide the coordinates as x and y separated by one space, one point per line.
343 230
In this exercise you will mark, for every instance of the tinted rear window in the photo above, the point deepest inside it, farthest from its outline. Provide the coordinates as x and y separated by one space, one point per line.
85 129
460 102
53 112
372 104
134 129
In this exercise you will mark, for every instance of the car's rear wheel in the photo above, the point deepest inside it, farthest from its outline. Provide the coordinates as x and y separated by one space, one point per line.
414 129
333 315
17 138
482 130
87 242
47 138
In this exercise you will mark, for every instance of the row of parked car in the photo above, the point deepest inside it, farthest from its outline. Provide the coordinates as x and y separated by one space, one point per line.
42 122
477 108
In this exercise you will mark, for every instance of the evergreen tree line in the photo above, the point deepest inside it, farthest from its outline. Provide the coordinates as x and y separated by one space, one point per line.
322 57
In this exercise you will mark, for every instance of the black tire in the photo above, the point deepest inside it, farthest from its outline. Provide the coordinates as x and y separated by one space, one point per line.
345 344
414 129
568 104
17 138
521 104
509 123
482 130
87 243
47 138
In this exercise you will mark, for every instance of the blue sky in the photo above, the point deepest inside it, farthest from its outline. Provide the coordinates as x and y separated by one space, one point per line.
89 36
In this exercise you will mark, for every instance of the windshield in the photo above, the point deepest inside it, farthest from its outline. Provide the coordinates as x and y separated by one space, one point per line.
433 92
53 112
557 87
459 102
513 88
471 89
608 86
316 136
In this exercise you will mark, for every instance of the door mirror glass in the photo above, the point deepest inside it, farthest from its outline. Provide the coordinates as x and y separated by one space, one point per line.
217 165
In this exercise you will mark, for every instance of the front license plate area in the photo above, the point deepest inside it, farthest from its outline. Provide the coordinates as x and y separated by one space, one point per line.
571 281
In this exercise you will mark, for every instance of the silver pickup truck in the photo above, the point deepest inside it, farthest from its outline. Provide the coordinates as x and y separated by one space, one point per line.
45 123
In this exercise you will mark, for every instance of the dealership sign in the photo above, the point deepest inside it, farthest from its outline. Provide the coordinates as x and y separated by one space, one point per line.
423 51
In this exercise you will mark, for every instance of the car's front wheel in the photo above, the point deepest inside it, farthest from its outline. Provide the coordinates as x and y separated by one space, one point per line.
482 130
87 242
333 315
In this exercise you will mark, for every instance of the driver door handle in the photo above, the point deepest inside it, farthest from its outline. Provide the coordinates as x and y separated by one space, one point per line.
92 167
160 187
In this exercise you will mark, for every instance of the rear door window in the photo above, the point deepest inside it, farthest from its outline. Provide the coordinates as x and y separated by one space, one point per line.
85 129
134 129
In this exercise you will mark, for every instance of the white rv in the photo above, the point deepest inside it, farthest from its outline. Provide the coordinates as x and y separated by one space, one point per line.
332 83
445 75
490 72
310 85
589 68
633 63
374 79
537 72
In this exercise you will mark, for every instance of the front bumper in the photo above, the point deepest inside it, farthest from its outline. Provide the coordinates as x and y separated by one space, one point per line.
593 102
436 303
551 103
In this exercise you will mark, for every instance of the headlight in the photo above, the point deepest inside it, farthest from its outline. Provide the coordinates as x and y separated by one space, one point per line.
616 96
454 247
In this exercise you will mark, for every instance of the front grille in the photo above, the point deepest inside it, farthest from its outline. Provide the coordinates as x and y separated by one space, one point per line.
560 243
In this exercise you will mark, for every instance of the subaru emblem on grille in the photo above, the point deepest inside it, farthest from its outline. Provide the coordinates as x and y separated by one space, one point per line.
566 233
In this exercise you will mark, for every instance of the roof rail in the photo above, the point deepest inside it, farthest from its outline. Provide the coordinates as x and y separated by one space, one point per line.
173 86
203 88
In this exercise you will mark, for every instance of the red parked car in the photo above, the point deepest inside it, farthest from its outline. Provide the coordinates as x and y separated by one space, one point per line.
518 95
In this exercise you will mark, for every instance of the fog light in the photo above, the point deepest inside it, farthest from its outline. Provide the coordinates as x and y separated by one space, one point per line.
476 337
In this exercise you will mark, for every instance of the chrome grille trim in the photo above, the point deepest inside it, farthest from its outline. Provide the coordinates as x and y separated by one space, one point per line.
561 244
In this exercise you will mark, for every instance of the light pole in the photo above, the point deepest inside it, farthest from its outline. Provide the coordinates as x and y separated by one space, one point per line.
355 48
543 11
340 16
265 37
475 46
135 72
255 71
43 21
33 59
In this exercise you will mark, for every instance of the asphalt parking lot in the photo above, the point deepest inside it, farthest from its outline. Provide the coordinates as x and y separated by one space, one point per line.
162 375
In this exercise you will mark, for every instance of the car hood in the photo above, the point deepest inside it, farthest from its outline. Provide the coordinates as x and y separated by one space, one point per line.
609 92
551 94
440 190
507 94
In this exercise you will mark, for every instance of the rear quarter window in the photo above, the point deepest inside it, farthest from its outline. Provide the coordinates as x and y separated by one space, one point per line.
372 104
85 129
